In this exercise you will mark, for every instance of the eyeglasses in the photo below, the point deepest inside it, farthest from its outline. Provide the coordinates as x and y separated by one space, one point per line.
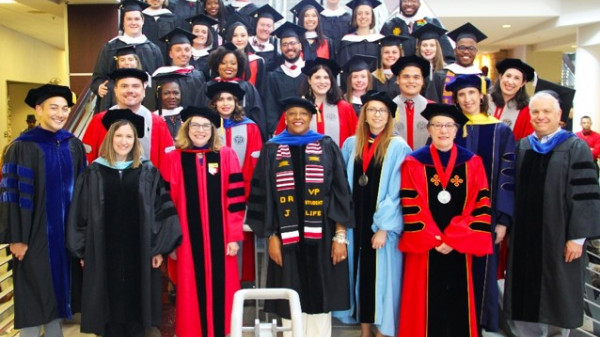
197 126
439 126
381 111
290 44
465 48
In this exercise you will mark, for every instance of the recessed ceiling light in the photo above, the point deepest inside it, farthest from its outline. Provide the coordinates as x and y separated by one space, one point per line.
573 46
506 26
7 1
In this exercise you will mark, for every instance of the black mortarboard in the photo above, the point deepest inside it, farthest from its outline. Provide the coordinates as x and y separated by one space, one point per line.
39 95
391 40
381 96
467 30
201 19
288 29
429 31
564 94
294 101
233 21
360 62
207 113
125 50
31 118
229 46
128 72
412 60
266 11
111 116
355 3
448 110
526 69
309 65
178 36
296 10
480 82
230 87
132 6
167 77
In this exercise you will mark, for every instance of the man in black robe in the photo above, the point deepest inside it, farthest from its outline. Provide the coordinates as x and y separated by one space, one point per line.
285 80
132 21
38 173
300 199
557 206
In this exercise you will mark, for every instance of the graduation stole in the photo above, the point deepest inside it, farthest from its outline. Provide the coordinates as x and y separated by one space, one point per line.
447 95
287 208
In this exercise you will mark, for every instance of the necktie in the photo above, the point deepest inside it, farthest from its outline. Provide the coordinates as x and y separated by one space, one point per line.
260 46
293 67
410 113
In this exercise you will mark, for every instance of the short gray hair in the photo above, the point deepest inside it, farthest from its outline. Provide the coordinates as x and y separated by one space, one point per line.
546 94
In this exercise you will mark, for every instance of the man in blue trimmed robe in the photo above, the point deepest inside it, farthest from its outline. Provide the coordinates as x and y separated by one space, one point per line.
38 174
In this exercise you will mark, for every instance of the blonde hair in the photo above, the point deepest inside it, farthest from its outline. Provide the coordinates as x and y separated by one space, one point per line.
107 150
378 73
184 142
363 133
438 59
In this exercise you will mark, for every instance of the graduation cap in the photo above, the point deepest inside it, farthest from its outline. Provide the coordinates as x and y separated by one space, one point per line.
293 101
207 113
233 21
448 110
125 50
392 40
118 74
429 31
161 78
231 87
132 6
467 31
412 60
480 82
309 65
563 94
381 96
288 29
355 3
31 118
229 46
360 62
527 71
178 36
296 10
112 116
201 19
38 95
266 11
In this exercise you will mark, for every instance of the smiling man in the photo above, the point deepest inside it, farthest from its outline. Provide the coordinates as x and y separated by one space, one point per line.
129 93
39 172
557 206
466 37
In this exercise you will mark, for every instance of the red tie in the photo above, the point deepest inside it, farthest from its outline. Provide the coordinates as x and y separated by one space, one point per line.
293 67
410 113
260 46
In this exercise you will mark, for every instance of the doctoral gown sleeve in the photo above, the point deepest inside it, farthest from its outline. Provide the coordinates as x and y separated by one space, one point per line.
470 232
166 231
234 196
420 230
505 200
582 194
79 215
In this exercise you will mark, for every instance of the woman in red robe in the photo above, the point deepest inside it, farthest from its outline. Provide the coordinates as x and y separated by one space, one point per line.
207 271
446 209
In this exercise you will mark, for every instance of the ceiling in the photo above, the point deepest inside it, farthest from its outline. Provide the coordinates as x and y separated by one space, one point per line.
546 25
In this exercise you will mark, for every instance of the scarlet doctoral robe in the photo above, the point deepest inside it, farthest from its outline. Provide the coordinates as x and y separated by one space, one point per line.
206 277
437 292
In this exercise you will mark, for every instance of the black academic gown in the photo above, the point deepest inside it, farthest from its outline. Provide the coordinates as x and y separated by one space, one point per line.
193 89
397 26
307 266
335 27
557 198
149 54
158 26
279 85
38 174
271 57
88 236
389 86
184 9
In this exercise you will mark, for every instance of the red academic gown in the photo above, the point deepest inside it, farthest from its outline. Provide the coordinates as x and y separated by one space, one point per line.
347 122
203 306
248 134
523 127
468 233
160 139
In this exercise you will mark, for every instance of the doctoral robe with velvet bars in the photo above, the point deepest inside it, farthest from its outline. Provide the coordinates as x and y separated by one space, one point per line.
39 171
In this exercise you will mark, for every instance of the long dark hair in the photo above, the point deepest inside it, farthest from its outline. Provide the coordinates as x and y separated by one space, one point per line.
521 98
221 15
217 55
319 30
334 94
